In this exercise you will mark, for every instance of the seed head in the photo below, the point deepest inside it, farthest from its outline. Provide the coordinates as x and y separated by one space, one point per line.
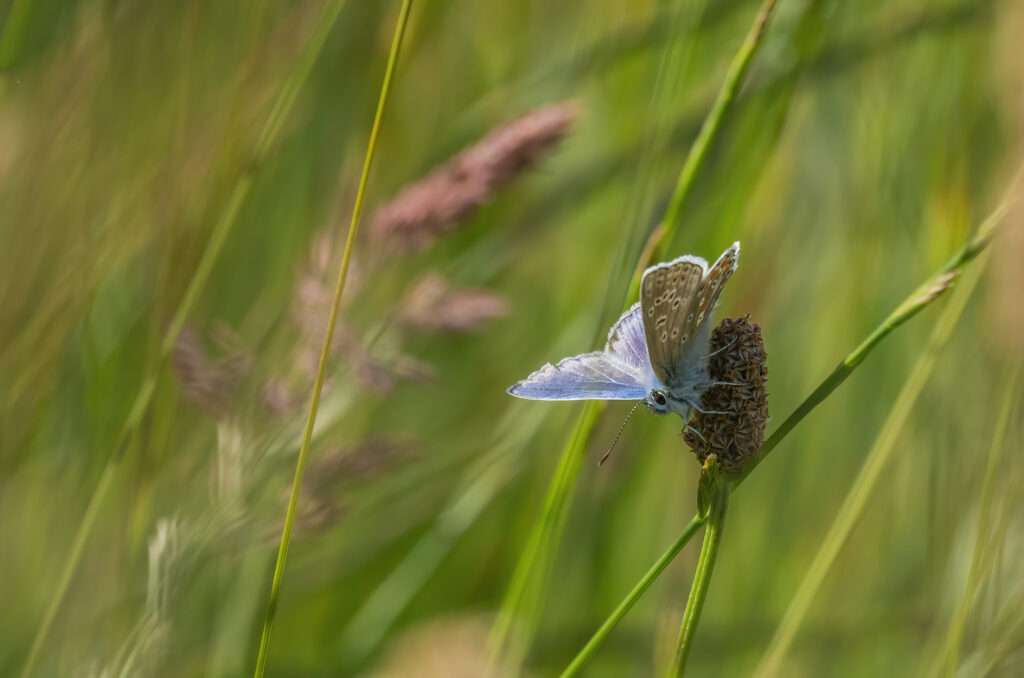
738 432
209 383
451 193
434 305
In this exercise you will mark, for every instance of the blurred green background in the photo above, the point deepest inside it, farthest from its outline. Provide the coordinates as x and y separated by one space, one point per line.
869 140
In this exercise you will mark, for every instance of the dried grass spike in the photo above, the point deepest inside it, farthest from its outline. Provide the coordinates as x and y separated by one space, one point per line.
738 432
435 305
211 384
451 193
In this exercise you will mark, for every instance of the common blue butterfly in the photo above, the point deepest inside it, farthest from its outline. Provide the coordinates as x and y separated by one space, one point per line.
657 352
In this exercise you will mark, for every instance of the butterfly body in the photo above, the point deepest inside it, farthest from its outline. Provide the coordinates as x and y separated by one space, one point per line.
656 352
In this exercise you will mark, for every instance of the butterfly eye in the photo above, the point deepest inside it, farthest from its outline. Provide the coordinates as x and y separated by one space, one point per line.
658 398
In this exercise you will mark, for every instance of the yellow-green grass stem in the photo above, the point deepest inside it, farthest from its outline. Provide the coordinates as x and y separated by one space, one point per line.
923 296
307 435
211 252
867 479
562 483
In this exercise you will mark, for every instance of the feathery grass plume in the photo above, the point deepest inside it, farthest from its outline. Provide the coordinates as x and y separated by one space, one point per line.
434 305
451 193
361 461
209 383
277 398
146 650
311 301
737 430
319 507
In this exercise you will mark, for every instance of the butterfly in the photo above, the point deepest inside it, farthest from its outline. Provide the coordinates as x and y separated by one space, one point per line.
657 352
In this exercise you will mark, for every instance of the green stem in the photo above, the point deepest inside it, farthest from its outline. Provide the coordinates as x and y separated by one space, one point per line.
561 484
701 578
857 498
921 297
307 436
634 595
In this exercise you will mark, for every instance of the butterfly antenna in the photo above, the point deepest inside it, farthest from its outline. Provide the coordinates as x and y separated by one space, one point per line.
619 434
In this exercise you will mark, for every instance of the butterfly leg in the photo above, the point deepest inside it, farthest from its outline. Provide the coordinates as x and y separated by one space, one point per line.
724 348
700 409
697 433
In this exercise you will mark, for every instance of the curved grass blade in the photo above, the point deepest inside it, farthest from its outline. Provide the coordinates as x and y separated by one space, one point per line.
870 472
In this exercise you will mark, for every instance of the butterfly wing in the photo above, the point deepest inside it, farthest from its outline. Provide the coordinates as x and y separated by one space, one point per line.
591 376
698 315
622 371
666 294
627 342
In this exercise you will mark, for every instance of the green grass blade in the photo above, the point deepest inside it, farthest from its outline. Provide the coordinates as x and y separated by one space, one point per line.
870 472
307 436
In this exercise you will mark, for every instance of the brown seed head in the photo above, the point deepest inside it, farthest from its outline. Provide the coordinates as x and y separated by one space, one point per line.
736 434
207 382
451 193
434 305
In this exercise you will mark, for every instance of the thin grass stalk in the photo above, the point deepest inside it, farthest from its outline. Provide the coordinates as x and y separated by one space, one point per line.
307 436
867 479
950 656
918 300
701 579
645 582
561 484
211 252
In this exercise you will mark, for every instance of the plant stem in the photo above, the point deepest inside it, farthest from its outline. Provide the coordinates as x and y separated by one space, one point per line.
921 297
562 483
634 595
857 498
307 436
701 578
